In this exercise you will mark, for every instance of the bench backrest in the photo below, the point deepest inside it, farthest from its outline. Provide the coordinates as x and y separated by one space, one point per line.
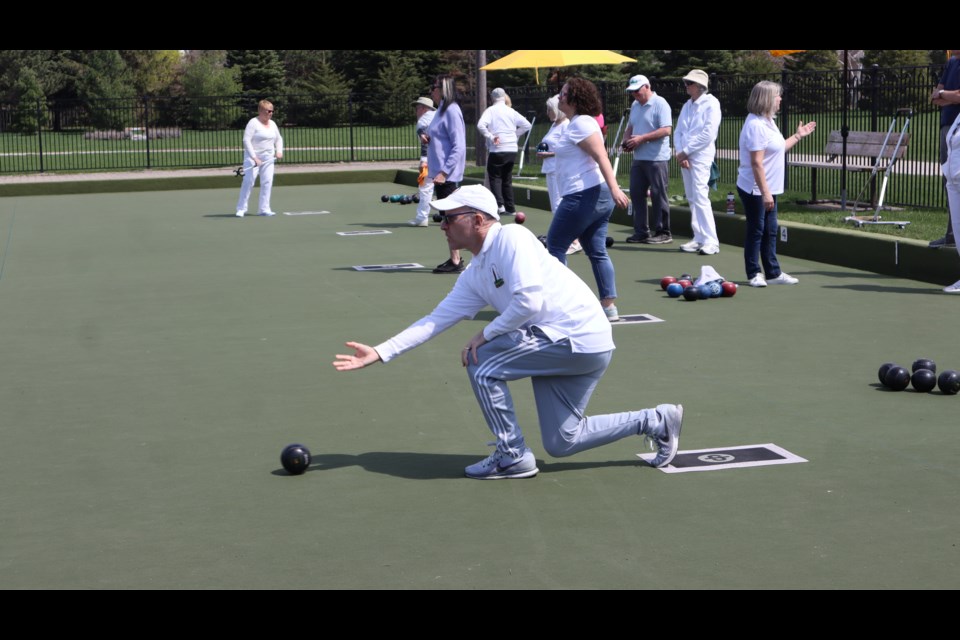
866 144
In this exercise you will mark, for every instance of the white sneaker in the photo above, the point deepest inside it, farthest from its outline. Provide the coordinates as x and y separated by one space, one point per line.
612 314
501 210
500 466
266 213
758 281
239 214
709 250
690 247
669 439
954 288
784 278
418 223
574 248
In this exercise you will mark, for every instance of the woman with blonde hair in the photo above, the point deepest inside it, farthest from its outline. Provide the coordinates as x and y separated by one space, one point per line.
760 181
262 147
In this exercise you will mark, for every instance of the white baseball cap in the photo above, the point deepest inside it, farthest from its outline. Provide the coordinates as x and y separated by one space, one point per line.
475 196
636 82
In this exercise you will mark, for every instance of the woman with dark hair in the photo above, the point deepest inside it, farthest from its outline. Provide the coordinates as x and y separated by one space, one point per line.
760 181
588 189
446 152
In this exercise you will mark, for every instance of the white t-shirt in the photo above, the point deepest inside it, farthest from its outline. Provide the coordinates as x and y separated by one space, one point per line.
761 134
262 140
514 274
552 138
576 170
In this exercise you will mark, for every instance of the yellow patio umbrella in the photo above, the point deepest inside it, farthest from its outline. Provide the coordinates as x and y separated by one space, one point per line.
549 58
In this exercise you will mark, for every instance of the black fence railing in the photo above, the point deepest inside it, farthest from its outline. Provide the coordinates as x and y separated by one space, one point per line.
205 132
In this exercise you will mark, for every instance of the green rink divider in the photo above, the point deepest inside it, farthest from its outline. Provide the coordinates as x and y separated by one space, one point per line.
904 258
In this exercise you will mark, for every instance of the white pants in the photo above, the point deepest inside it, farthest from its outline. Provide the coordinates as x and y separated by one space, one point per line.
695 183
250 172
426 195
953 201
553 190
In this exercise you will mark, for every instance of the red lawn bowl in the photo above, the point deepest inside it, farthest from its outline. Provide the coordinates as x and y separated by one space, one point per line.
666 282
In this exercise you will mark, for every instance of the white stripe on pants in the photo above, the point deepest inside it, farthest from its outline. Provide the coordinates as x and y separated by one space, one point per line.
563 382
250 172
696 181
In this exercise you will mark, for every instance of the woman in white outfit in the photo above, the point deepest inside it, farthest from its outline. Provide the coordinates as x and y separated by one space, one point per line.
262 147
694 140
545 153
951 171
549 167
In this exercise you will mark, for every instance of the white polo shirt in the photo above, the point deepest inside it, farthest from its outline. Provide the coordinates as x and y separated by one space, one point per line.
514 274
575 169
761 134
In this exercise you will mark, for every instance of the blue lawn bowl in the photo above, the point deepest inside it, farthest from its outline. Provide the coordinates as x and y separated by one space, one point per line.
715 289
704 291
674 290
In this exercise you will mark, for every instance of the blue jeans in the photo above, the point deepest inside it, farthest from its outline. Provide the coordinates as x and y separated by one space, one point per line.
585 215
761 240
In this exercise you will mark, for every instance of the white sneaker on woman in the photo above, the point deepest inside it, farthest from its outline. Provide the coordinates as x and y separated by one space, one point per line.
784 278
758 281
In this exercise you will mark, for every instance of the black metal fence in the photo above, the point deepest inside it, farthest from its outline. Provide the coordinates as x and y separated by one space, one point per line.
183 132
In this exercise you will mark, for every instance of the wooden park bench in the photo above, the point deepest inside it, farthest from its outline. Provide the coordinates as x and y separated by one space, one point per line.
860 145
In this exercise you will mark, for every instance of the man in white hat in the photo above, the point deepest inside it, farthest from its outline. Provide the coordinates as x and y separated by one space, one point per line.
550 328
648 137
425 113
695 143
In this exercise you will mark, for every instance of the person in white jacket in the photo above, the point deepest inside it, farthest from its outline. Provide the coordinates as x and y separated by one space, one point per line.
951 170
262 147
694 141
502 127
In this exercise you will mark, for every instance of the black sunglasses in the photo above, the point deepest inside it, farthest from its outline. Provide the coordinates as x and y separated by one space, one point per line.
440 217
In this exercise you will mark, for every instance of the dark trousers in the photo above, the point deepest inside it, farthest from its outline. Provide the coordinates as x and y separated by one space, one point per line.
445 189
760 245
652 175
500 171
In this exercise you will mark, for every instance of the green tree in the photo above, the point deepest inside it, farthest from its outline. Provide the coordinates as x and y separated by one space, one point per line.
31 111
814 60
896 58
261 72
678 62
103 83
153 72
399 84
319 97
205 79
760 61
361 67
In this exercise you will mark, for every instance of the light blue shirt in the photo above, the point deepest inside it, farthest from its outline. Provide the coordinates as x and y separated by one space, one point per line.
645 118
